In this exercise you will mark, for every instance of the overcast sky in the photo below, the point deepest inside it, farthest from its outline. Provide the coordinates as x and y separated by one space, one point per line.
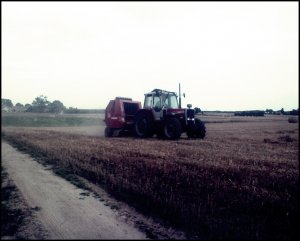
226 55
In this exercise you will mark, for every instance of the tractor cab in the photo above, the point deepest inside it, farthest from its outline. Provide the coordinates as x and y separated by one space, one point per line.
162 103
160 99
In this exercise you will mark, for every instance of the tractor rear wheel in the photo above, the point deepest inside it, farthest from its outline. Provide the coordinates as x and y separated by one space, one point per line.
172 129
143 125
198 130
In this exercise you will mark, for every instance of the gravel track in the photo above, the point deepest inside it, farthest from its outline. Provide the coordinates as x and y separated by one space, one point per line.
65 211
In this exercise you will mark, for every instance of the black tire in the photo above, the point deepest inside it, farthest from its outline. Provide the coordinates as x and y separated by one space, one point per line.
172 129
109 132
198 130
143 125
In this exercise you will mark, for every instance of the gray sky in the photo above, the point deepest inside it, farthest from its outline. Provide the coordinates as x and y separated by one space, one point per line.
226 55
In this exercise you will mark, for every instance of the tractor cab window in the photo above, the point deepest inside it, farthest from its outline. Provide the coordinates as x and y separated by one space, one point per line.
156 101
171 102
165 101
148 101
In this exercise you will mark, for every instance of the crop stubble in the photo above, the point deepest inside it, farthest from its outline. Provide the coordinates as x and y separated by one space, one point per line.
240 182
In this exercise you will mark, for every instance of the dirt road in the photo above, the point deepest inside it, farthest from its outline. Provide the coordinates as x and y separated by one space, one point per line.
65 211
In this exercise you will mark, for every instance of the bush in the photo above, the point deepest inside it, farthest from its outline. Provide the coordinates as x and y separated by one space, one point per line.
250 113
293 120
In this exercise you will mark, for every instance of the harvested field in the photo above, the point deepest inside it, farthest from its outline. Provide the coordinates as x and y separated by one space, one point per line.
240 182
47 120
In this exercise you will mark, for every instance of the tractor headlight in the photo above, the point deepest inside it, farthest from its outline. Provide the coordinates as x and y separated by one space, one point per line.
122 119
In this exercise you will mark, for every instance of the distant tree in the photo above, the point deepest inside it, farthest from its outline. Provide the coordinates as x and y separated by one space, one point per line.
40 104
6 103
56 107
197 110
27 107
294 112
19 105
72 110
282 111
269 111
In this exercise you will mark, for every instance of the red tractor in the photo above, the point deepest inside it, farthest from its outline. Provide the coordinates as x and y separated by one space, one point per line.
161 115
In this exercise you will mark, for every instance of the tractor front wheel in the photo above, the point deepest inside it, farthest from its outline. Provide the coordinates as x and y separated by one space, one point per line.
198 130
172 129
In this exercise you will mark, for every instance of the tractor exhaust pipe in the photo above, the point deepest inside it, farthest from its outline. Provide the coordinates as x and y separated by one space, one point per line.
179 96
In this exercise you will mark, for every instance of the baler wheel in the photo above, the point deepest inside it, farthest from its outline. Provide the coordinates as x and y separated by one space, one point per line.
109 132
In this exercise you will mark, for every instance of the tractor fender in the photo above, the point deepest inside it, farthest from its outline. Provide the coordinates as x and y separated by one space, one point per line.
148 112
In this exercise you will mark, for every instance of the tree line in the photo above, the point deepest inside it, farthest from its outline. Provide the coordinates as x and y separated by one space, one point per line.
282 112
41 104
267 111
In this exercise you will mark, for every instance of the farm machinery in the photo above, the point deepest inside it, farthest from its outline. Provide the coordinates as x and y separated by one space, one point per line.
161 115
